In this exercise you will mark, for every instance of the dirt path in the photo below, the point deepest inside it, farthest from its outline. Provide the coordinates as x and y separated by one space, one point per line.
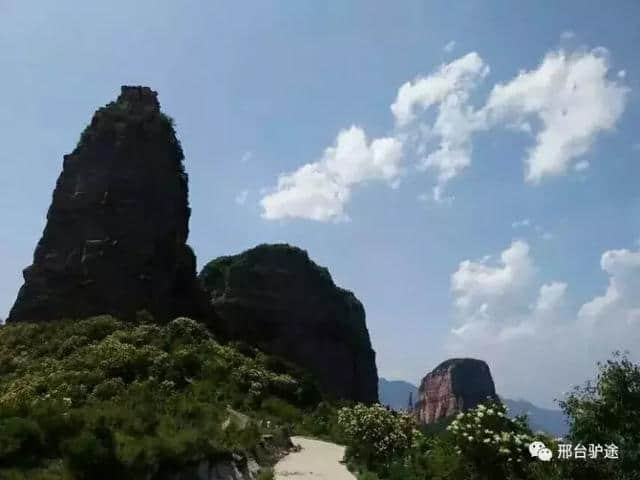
316 460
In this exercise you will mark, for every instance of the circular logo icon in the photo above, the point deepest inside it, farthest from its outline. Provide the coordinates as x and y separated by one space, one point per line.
535 447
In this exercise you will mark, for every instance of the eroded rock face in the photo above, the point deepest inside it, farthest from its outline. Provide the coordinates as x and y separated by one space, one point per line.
115 239
275 298
456 385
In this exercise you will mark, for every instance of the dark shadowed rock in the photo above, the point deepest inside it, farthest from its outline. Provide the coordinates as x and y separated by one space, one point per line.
456 385
115 239
275 298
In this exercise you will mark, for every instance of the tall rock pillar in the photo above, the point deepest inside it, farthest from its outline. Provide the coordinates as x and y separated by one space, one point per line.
115 238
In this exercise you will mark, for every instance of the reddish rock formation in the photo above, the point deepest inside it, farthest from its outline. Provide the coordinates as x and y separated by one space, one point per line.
115 239
454 386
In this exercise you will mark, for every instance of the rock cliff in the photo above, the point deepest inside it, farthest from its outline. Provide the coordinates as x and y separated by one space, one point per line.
115 238
456 385
275 298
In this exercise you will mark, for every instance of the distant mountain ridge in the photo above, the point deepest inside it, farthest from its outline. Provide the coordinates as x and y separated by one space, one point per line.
395 394
548 420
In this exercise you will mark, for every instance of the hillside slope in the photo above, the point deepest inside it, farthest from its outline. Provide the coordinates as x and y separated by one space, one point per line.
103 399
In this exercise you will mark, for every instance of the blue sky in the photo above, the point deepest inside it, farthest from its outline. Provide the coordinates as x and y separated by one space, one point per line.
469 169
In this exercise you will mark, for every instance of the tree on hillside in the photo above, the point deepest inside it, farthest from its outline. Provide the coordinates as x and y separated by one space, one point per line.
607 412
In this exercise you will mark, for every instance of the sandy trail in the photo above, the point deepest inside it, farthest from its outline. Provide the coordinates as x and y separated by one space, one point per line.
316 460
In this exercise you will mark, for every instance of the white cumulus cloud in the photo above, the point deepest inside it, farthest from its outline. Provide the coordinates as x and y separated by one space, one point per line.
540 344
572 98
320 190
428 90
479 286
565 103
621 298
449 87
550 296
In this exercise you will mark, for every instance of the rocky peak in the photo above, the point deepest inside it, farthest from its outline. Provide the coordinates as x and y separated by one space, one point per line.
115 238
138 100
456 385
276 298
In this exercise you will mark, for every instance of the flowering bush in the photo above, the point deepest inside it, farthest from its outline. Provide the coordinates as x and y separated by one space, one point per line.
188 330
375 434
490 441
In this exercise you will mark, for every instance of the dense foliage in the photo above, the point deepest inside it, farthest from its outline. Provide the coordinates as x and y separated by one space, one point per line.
484 443
608 412
375 434
492 444
99 398
480 443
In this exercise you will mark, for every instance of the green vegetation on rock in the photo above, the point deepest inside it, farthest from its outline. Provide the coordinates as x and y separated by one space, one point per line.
100 398
275 298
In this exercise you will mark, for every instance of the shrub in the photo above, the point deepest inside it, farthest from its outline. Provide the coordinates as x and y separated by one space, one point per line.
322 422
607 413
21 440
100 398
97 328
91 455
374 434
491 442
187 330
71 344
108 389
266 474
282 410
444 463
